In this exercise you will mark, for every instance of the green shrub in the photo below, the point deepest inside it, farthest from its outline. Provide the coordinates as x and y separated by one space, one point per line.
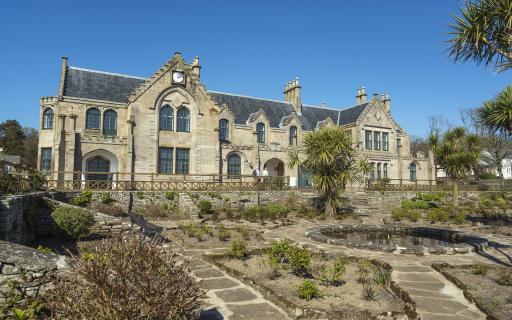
487 176
435 197
277 210
106 198
280 250
238 249
364 268
73 222
244 232
83 200
505 276
481 269
414 215
459 217
207 229
398 214
200 233
299 261
44 249
438 215
205 207
171 195
223 233
381 276
333 274
416 204
140 195
215 195
308 290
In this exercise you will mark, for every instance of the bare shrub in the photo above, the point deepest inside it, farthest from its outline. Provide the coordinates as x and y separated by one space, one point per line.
127 278
111 210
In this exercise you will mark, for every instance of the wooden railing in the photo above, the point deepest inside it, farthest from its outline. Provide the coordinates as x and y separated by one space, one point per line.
161 182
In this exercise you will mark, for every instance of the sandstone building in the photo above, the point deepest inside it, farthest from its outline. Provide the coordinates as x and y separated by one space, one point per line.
170 124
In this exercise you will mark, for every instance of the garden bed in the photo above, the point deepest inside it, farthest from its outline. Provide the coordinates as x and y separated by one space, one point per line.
344 300
488 286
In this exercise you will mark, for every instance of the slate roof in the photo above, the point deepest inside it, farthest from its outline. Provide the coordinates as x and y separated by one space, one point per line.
95 85
98 85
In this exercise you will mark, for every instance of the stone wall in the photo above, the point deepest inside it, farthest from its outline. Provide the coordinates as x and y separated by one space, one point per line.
26 272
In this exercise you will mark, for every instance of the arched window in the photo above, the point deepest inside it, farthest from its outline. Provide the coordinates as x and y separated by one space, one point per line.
48 119
293 135
92 119
234 165
183 124
260 132
166 118
412 171
110 123
223 129
98 164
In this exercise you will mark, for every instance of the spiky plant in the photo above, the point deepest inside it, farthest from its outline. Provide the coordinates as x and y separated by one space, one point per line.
483 33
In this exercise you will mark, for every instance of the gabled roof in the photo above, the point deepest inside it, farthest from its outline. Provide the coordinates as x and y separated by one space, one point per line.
97 85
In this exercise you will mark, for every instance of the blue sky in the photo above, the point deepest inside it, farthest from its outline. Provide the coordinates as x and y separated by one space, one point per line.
251 48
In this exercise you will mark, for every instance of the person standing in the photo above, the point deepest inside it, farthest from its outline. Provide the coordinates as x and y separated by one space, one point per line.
265 172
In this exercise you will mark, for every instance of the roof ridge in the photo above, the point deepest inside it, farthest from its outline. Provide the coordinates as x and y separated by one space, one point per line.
108 73
250 97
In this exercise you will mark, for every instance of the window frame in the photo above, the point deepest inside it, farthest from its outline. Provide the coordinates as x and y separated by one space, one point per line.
166 121
238 166
183 120
385 141
293 136
44 161
48 113
368 139
179 162
376 140
413 174
385 170
225 130
109 132
260 132
88 115
169 161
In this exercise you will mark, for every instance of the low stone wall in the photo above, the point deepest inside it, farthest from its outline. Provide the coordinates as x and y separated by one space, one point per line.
26 272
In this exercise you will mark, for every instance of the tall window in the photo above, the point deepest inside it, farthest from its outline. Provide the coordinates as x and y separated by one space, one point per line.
385 170
46 159
376 140
48 119
260 132
379 171
183 124
92 119
398 143
234 165
385 141
293 135
165 160
182 161
412 171
110 123
372 170
223 129
166 118
368 139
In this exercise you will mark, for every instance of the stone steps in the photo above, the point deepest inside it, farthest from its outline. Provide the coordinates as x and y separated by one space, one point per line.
186 203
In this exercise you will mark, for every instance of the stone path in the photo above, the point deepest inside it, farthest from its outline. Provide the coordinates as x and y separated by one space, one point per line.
436 297
231 299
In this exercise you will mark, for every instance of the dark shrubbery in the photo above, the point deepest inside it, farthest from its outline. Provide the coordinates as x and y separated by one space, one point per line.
73 222
83 200
127 278
205 208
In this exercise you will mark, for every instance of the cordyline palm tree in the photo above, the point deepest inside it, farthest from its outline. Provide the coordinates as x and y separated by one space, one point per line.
433 140
483 33
332 162
458 154
497 113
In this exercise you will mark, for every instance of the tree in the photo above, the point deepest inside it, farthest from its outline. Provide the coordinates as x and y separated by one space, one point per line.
30 146
12 137
437 126
457 155
482 33
497 112
332 163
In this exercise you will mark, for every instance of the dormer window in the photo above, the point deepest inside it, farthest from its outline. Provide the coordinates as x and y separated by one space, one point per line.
260 132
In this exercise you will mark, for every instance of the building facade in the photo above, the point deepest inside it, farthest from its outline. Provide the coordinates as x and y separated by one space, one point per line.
170 124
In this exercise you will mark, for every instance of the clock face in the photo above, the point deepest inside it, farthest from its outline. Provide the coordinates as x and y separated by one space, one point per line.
178 77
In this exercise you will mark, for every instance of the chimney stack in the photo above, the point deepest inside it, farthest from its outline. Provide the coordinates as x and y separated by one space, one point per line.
387 102
292 94
63 70
196 68
361 95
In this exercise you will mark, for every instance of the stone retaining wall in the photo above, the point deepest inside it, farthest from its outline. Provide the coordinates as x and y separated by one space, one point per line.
26 272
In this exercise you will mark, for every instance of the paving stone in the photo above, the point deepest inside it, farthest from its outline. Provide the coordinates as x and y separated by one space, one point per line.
435 316
219 283
236 295
424 293
441 306
208 273
422 285
412 269
424 277
255 311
